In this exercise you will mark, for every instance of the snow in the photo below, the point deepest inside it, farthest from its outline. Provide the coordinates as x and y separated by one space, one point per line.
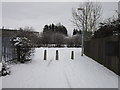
82 72
0 77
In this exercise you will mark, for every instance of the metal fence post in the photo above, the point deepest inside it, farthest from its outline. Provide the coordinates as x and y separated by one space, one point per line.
72 55
45 54
57 56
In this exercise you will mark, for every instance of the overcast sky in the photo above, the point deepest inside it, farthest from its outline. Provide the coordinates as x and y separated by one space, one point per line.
37 14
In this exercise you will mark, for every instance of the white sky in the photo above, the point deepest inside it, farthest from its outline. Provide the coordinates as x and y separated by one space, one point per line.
37 14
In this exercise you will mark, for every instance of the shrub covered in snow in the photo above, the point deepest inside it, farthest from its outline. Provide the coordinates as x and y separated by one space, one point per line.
22 45
5 69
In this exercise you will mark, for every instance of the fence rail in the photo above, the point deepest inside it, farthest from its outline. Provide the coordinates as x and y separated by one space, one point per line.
106 51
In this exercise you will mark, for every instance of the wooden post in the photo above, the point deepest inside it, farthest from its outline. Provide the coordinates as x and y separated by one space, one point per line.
45 54
57 56
72 55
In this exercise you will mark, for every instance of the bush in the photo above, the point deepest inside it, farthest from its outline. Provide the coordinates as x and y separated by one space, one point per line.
5 69
22 45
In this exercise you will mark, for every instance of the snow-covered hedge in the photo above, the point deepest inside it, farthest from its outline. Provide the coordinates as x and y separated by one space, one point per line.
22 45
5 70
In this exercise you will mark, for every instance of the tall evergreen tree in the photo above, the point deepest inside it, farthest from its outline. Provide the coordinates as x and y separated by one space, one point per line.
55 29
45 29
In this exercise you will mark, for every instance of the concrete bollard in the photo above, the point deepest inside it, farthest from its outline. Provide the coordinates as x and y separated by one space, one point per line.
72 55
57 55
45 54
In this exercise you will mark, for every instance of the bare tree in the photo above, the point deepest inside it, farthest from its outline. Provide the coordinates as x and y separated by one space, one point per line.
118 13
88 17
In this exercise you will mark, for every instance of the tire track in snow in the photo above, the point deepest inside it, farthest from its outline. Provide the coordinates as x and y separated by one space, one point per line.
49 63
66 77
67 80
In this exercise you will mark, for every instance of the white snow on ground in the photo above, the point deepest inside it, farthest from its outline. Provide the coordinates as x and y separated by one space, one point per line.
0 83
0 77
82 72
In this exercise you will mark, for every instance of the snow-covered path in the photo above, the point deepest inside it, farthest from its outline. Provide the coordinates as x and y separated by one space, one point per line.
82 72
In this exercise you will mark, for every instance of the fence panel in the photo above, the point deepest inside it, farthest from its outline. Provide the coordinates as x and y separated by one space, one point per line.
105 51
8 50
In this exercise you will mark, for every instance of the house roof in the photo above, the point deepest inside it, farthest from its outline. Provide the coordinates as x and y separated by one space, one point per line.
8 32
12 32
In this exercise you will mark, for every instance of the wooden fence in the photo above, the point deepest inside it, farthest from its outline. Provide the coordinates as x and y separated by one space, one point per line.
106 51
8 50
